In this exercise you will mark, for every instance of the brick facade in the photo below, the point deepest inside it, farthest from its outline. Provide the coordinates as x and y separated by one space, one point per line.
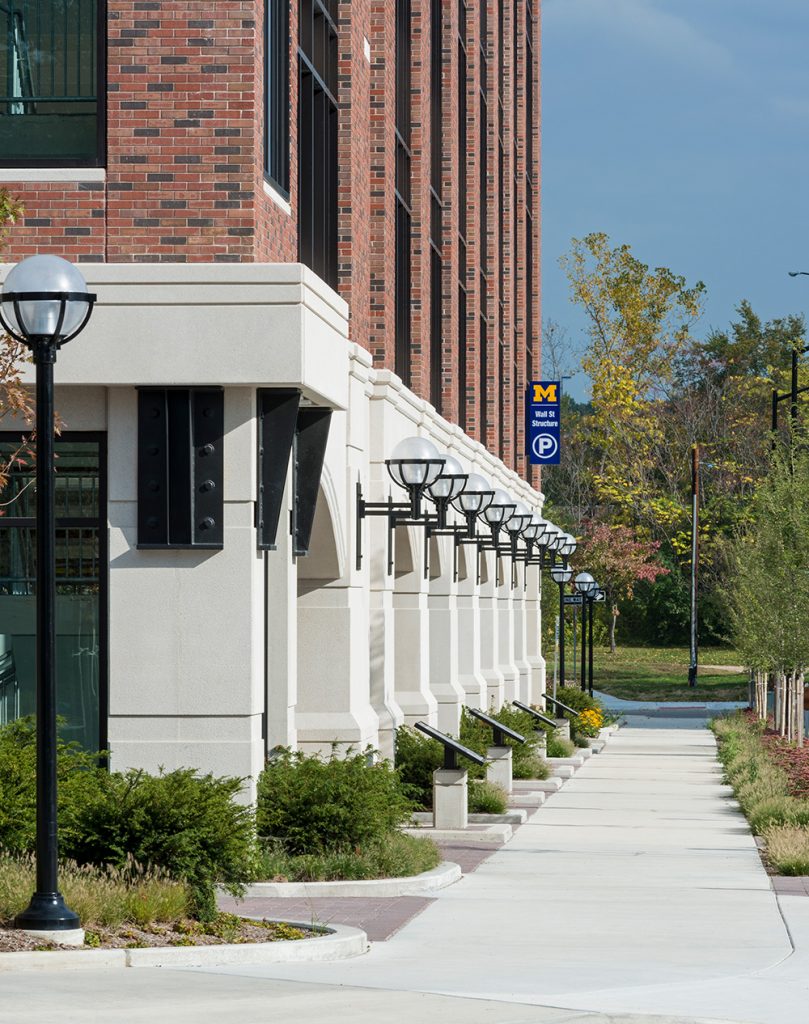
185 180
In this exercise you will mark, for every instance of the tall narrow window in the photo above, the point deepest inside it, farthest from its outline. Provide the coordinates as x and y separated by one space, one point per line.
483 378
528 71
52 83
483 225
462 213
436 154
82 561
276 93
462 356
317 138
402 194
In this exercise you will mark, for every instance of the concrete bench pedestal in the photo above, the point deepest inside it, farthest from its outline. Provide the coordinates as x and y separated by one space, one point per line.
450 798
562 728
499 768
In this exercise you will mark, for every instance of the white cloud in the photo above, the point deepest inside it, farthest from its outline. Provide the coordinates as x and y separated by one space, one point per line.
642 22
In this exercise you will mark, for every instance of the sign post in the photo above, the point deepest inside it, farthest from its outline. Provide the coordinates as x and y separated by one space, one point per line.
543 422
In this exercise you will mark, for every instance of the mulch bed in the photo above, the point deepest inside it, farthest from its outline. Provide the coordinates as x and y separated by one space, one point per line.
182 933
793 761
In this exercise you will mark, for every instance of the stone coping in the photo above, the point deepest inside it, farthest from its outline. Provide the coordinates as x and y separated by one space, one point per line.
428 881
337 942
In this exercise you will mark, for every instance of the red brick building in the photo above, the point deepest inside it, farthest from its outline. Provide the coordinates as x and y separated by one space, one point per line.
270 131
313 231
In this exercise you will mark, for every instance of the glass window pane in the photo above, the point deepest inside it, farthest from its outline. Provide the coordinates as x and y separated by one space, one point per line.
76 481
77 629
48 80
80 564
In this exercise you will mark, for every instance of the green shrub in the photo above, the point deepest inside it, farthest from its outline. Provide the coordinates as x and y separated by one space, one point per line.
526 758
532 766
577 699
187 824
313 804
79 777
487 798
417 757
393 856
560 747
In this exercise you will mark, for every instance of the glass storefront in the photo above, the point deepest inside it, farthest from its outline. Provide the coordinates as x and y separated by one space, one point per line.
81 567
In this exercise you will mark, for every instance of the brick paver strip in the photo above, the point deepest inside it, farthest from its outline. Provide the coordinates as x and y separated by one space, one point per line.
379 917
469 857
791 886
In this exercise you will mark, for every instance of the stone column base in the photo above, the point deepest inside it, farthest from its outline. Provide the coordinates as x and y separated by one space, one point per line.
450 798
563 728
498 770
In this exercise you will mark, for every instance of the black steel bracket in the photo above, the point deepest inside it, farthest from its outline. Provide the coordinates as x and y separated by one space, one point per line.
452 748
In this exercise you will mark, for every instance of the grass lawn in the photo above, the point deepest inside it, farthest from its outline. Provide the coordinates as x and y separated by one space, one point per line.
661 673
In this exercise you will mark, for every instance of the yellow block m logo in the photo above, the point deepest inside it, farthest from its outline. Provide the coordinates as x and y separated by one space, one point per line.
545 394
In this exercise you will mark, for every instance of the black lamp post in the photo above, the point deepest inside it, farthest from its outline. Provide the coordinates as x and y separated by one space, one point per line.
599 597
562 575
586 586
44 304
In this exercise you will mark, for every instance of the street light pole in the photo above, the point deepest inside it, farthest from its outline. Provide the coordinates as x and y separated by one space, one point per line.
585 587
44 304
590 603
561 575
692 668
583 642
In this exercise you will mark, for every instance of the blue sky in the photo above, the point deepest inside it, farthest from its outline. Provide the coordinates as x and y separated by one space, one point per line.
680 127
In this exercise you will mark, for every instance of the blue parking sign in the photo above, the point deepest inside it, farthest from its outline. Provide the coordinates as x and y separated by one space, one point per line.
543 422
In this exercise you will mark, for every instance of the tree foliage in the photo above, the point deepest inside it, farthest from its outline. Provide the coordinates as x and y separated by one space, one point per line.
15 399
619 561
657 390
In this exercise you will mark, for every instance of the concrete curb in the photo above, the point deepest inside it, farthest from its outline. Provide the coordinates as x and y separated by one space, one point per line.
549 785
338 943
428 881
479 835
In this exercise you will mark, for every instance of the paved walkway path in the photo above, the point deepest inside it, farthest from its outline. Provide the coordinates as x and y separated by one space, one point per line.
635 890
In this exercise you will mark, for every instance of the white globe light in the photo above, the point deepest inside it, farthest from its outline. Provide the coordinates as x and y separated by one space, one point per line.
560 574
451 482
570 544
585 583
415 462
553 537
501 508
532 530
520 518
476 496
40 317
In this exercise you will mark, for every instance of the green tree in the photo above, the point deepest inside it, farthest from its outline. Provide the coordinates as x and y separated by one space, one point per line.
639 323
15 399
768 589
619 560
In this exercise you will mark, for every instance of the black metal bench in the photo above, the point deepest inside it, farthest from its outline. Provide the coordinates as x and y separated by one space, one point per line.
543 719
452 748
562 707
499 731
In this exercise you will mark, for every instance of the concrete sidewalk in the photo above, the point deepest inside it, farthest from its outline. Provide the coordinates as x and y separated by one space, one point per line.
635 890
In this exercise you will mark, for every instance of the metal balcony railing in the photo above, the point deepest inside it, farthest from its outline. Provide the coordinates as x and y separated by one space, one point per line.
48 56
